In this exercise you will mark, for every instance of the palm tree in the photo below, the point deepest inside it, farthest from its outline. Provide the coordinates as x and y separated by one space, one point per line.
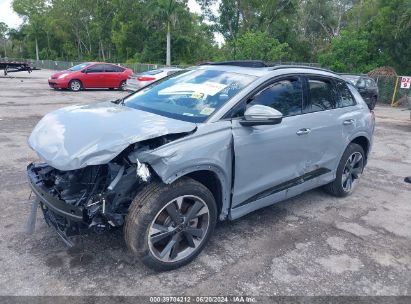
167 10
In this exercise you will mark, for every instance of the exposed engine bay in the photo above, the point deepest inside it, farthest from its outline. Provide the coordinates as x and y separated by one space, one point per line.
94 198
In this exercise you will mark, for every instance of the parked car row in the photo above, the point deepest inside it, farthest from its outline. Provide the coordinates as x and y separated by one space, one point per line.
93 75
366 86
215 142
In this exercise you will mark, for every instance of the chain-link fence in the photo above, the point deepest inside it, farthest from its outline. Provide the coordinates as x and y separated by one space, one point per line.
390 91
63 65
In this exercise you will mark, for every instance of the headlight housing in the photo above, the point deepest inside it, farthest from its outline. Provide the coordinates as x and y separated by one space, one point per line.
62 75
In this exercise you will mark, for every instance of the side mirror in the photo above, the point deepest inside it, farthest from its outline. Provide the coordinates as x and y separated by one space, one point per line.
261 115
84 71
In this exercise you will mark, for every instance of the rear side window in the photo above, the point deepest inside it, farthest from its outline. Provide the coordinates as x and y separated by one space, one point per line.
97 68
321 95
113 68
284 95
345 97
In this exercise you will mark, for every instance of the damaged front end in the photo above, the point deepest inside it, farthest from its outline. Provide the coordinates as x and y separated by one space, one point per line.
94 198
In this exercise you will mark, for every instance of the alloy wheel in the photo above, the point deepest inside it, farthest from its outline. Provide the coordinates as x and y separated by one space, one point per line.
179 228
352 171
75 86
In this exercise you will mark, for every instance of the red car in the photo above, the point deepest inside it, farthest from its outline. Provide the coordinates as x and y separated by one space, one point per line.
91 75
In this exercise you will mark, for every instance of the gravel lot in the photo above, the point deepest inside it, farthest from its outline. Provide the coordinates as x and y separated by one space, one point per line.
313 244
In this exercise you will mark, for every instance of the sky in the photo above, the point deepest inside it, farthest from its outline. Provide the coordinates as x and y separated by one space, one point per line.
8 16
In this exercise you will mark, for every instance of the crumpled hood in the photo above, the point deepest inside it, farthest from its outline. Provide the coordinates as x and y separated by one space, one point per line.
78 136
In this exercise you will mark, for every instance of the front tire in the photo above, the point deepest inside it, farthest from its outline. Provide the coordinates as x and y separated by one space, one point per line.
349 171
168 225
75 85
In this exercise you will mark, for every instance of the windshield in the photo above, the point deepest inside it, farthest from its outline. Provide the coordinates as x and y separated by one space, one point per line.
192 96
79 66
352 78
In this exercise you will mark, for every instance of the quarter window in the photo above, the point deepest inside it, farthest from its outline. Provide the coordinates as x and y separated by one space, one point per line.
284 95
345 97
322 95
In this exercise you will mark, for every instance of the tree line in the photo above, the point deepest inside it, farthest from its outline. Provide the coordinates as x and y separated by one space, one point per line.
344 35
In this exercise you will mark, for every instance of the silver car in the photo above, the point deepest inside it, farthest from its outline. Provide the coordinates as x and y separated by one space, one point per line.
211 144
136 82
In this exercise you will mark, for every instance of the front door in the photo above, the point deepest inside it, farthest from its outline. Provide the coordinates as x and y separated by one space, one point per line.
269 158
94 77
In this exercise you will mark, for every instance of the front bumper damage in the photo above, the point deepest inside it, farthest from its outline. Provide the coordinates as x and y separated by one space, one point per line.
66 219
99 206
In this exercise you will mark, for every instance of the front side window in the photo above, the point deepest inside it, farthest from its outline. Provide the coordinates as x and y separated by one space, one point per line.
321 95
285 95
79 67
345 97
191 96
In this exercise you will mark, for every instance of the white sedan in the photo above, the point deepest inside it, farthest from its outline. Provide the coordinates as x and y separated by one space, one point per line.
136 82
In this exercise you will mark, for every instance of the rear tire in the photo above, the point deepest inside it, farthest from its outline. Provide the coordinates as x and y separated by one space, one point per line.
75 85
373 103
168 225
349 171
123 85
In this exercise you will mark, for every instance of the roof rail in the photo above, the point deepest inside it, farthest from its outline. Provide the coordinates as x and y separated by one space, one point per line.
290 66
262 64
240 63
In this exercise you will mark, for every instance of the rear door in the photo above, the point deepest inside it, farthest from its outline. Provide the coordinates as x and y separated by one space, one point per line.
325 121
111 76
94 76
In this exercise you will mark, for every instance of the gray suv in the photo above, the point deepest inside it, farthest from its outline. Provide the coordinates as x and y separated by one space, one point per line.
213 143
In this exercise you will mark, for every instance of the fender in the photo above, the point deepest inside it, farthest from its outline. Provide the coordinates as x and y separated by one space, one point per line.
208 149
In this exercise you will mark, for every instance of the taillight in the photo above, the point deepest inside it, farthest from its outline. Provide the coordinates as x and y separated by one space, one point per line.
145 78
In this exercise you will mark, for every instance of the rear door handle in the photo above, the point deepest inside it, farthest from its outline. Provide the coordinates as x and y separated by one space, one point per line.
348 122
303 131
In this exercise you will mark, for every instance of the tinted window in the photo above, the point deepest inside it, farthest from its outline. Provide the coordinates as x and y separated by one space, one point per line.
97 68
361 83
285 96
79 66
322 95
113 68
345 97
370 83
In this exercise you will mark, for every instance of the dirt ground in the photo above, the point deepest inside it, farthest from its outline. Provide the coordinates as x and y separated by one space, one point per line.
313 244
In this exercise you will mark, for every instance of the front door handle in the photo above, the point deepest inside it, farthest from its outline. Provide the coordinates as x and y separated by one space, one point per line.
348 122
303 131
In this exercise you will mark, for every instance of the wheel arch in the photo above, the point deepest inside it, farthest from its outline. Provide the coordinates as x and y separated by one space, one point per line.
211 177
75 79
362 141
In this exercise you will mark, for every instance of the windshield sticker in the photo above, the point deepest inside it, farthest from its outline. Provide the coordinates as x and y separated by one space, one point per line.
207 111
197 95
206 88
